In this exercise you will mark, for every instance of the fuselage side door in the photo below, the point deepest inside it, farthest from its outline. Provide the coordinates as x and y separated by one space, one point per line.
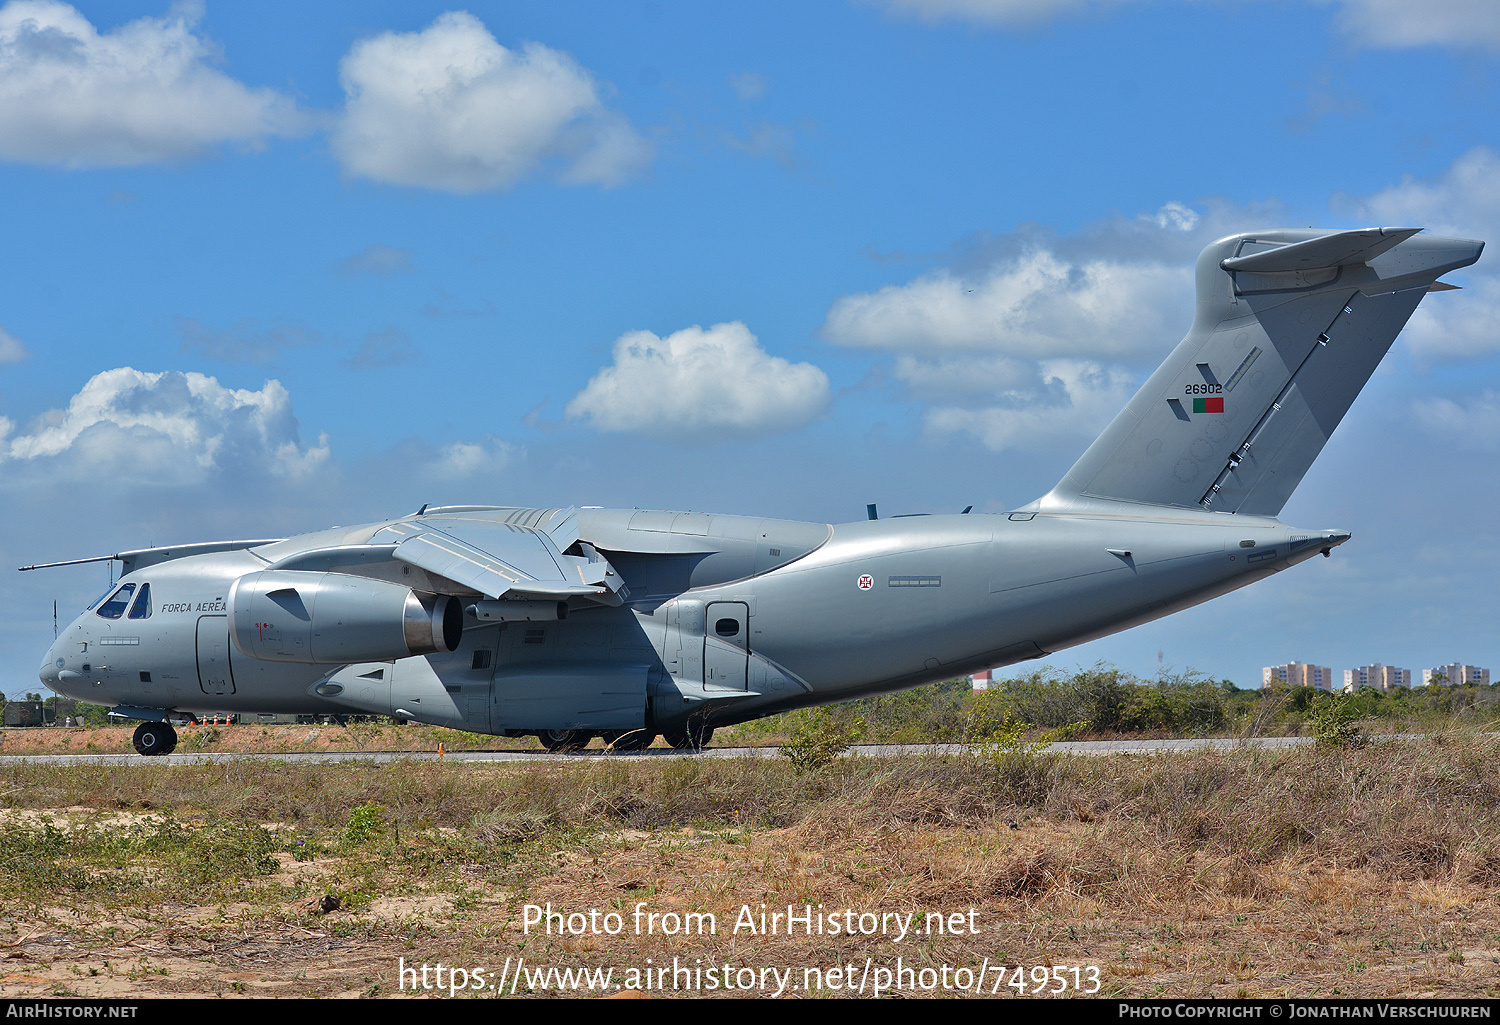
726 645
214 675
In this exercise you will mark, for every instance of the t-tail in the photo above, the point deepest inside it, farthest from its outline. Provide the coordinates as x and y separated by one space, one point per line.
1290 325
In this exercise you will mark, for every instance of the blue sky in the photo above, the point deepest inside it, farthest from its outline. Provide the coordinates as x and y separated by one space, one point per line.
273 267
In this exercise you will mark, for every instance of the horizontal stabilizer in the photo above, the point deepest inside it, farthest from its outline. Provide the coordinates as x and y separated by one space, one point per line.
1341 249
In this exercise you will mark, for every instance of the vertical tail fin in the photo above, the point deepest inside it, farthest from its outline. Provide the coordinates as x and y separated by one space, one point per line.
1289 327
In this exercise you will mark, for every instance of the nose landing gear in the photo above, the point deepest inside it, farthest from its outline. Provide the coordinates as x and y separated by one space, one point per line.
155 738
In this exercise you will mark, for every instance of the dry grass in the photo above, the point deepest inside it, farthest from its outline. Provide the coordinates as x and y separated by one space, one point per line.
254 738
1308 872
259 739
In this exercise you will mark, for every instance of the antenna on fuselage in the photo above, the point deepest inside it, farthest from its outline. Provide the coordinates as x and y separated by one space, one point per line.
72 562
870 511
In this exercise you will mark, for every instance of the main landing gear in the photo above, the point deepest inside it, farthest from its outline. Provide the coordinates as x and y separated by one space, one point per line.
628 740
692 737
155 738
565 740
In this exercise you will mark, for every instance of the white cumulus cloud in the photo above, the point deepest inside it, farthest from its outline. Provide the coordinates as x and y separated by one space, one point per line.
143 93
698 381
965 373
1451 326
169 427
1473 423
1039 304
1077 400
450 108
1463 201
1031 339
463 459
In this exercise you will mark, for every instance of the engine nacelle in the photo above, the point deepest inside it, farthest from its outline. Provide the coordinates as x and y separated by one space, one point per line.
336 618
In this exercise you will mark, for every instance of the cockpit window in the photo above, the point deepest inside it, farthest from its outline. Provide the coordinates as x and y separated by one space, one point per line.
141 609
115 607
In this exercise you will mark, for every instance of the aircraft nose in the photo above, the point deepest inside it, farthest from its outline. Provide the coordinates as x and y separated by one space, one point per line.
50 668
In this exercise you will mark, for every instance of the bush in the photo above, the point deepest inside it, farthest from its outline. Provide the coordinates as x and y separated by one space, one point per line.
1334 724
366 823
820 737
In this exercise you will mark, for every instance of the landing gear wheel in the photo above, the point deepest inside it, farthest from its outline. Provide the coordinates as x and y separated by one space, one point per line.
565 740
692 737
628 740
155 738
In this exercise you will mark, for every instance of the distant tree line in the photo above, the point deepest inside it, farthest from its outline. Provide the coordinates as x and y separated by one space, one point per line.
1104 701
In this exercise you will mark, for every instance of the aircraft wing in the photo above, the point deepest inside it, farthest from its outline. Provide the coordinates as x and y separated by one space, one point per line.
503 559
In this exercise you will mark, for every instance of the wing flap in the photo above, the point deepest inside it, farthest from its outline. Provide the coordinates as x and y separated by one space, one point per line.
507 559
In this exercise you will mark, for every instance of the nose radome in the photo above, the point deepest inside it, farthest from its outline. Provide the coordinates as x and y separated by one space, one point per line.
49 669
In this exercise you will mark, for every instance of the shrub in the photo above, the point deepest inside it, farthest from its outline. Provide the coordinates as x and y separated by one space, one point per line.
366 823
821 737
1334 724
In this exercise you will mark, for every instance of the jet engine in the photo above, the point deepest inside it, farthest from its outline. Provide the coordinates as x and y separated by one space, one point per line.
337 618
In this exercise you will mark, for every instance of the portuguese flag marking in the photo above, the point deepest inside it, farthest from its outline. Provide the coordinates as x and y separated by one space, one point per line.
1208 405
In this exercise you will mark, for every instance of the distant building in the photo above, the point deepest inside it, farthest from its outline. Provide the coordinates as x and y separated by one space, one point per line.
1455 675
1299 674
1376 677
983 680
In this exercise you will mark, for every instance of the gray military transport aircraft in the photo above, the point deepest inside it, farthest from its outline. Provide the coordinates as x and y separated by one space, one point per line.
567 623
